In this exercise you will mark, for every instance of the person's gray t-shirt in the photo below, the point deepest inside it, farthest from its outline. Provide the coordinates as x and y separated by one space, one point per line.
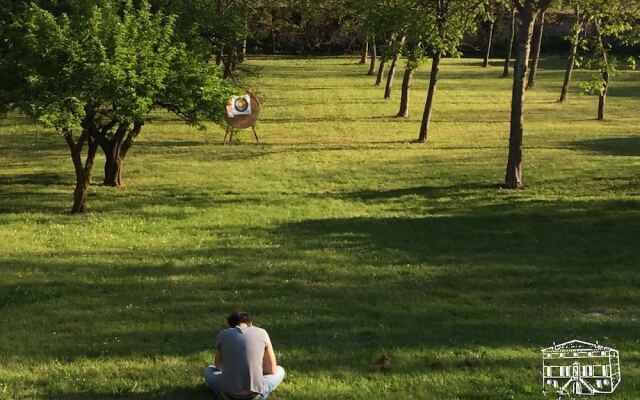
242 355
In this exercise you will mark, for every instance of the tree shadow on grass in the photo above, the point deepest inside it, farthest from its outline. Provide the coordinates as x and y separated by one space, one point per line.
622 146
422 191
439 281
628 90
199 392
342 290
36 178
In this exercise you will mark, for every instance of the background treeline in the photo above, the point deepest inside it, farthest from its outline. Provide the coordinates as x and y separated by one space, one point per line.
295 27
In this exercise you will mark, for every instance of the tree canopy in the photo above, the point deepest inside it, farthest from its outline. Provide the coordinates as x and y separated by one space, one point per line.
96 73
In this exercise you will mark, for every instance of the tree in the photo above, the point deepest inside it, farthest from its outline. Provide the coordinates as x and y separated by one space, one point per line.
537 45
415 56
450 20
216 28
528 11
510 38
397 51
365 51
381 65
95 74
489 20
608 19
573 52
387 19
374 57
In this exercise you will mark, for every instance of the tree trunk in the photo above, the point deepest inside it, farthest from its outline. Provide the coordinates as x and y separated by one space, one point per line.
83 172
512 32
227 70
274 42
392 73
406 88
510 40
572 56
602 98
83 180
365 52
390 76
428 107
228 60
242 45
383 62
113 170
115 151
513 178
487 50
242 51
374 58
537 44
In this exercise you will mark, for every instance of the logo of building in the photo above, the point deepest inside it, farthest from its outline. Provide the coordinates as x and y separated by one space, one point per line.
578 368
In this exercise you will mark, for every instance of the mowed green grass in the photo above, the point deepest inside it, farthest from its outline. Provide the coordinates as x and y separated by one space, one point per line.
344 238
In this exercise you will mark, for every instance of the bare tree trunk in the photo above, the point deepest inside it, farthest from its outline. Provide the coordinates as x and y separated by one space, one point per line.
242 51
390 76
83 172
392 73
433 80
537 44
487 50
572 55
113 160
602 98
383 62
512 32
242 45
115 151
227 70
365 51
406 89
409 71
513 178
374 58
274 42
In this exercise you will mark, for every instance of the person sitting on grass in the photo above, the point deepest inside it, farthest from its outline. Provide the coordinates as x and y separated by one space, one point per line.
245 365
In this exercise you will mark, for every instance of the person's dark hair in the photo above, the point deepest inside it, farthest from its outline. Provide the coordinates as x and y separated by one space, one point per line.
237 317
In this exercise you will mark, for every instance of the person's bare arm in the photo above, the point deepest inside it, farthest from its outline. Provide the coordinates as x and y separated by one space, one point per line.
218 359
269 361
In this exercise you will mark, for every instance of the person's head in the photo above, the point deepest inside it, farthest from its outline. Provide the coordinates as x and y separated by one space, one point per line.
237 317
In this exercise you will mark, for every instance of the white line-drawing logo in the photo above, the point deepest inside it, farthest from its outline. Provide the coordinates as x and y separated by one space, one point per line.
577 368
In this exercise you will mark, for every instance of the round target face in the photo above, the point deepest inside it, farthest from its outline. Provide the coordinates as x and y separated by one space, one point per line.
241 104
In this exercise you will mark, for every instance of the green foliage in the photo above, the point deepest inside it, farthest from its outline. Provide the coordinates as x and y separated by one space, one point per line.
195 91
597 85
607 20
116 61
207 26
448 23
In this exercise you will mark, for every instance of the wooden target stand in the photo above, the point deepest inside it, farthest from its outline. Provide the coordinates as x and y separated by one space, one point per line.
239 122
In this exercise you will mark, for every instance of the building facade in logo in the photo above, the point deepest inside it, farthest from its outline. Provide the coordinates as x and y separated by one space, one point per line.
578 368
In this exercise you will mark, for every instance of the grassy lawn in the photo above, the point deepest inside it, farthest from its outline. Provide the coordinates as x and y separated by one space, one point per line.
342 236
